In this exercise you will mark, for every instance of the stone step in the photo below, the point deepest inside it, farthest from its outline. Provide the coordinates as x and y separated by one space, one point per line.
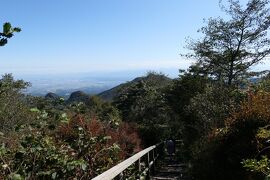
169 169
169 177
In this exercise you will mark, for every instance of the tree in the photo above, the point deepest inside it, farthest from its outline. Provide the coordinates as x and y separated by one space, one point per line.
230 47
187 85
143 102
13 109
7 33
210 108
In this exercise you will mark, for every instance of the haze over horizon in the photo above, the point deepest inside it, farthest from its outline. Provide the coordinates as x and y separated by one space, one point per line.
121 39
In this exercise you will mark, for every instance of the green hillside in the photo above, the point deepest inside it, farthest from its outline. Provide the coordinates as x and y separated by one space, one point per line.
153 79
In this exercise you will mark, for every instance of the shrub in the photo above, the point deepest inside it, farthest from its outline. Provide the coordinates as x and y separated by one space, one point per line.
99 144
77 148
40 156
220 155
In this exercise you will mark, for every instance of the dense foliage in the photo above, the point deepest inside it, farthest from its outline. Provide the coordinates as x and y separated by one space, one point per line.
50 139
144 103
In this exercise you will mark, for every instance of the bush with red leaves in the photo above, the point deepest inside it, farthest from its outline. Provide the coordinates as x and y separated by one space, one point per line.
98 143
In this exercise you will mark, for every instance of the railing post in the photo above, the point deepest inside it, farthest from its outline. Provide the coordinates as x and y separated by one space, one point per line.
161 149
153 166
139 165
148 165
148 159
120 176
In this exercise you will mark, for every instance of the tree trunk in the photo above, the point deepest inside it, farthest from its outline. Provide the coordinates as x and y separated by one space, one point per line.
230 77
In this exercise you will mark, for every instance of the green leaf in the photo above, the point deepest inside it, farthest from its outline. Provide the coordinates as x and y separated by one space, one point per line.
80 128
107 138
16 29
83 166
54 175
7 28
16 177
4 166
34 110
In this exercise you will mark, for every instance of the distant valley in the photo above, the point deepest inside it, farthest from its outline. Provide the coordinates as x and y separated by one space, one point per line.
64 87
157 81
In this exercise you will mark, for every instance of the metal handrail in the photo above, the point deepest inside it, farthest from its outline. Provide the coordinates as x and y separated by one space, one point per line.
119 168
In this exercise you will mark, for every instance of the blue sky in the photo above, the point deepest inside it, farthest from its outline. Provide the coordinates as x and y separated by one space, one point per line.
98 36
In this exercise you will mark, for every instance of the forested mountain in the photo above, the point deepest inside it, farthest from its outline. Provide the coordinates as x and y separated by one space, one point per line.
52 96
155 79
78 96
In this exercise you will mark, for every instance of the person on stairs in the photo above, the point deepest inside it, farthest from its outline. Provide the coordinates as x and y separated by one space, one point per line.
170 146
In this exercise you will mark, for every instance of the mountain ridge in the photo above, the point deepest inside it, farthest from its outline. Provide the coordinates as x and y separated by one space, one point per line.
153 79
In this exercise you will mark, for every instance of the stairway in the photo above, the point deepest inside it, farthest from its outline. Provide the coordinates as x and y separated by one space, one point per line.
169 168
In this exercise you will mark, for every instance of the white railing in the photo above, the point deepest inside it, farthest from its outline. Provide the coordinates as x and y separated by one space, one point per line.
119 168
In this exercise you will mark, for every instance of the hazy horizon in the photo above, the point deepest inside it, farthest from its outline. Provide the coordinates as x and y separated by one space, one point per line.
62 37
95 83
104 41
